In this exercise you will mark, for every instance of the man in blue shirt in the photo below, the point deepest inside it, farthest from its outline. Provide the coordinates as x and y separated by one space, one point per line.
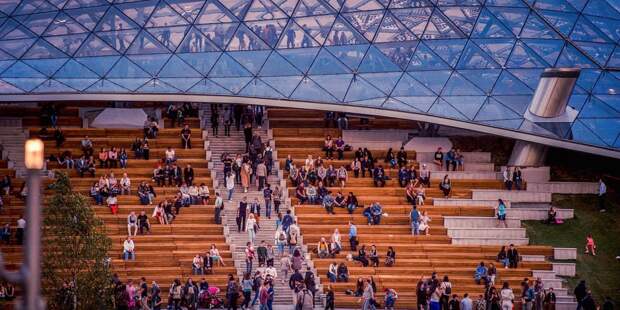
415 221
353 236
287 220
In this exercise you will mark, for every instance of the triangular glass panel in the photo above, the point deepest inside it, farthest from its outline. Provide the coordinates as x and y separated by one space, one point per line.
602 8
474 58
202 62
494 110
264 10
63 24
362 90
343 34
595 108
42 49
606 129
518 103
228 67
443 108
440 27
131 84
259 89
316 26
562 21
408 86
448 50
589 77
177 68
8 7
361 5
418 102
119 40
559 5
312 8
608 26
220 34
425 59
537 29
189 9
614 60
100 65
350 55
46 66
549 50
245 40
233 84
34 6
367 22
523 57
467 105
286 5
13 30
283 84
458 85
19 70
571 57
16 48
84 3
488 26
336 84
530 77
337 4
105 86
36 23
599 51
215 13
376 102
145 43
392 30
115 20
375 61
399 53
415 19
138 11
150 63
513 18
326 63
6 88
483 78
507 123
5 64
124 68
294 36
384 81
463 16
302 58
577 101
584 30
582 133
397 105
165 16
52 86
78 84
269 30
507 84
309 90
157 86
499 49
26 84
94 46
195 42
207 87
237 7
74 69
611 100
433 80
276 65
170 37
396 4
67 43
87 17
251 60
183 84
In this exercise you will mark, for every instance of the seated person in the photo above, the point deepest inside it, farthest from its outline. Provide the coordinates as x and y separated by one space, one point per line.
438 158
125 185
374 256
390 257
112 203
328 203
340 145
87 146
5 234
96 193
410 194
197 265
373 214
423 226
322 248
425 176
446 186
340 201
481 274
143 223
311 194
128 249
332 272
551 216
351 203
321 191
159 176
379 177
420 194
450 160
343 273
170 156
403 176
300 193
132 223
361 256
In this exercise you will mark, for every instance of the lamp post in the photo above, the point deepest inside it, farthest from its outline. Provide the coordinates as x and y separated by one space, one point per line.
29 275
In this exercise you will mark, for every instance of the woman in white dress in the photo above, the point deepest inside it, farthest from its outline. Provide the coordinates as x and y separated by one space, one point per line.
424 220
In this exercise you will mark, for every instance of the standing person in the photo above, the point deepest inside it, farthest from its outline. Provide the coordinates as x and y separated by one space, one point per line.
219 206
247 133
250 254
246 171
513 256
261 173
466 303
232 292
368 297
228 119
501 213
580 293
517 180
305 299
415 221
186 135
267 196
507 178
330 298
352 236
252 228
215 117
19 233
446 288
230 185
277 199
602 194
507 297
285 266
242 213
246 289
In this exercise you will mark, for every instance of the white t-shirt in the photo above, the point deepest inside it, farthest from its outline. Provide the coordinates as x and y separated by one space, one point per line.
21 223
170 154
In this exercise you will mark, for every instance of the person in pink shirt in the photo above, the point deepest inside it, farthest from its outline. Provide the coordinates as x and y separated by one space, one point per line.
590 245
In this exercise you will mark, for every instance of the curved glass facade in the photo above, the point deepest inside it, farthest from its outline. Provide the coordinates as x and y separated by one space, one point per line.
471 60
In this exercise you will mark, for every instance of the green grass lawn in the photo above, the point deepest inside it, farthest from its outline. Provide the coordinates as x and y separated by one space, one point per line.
601 272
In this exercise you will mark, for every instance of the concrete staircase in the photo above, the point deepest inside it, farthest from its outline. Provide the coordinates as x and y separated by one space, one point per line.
235 144
13 139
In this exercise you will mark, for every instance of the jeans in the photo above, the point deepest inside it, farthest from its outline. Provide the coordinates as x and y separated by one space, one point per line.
230 193
261 182
248 266
268 208
98 199
127 255
255 297
123 163
252 235
281 248
332 277
415 228
351 207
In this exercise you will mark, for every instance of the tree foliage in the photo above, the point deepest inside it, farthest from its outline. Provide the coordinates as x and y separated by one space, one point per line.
75 251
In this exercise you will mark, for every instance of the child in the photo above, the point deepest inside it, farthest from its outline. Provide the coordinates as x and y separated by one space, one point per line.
590 246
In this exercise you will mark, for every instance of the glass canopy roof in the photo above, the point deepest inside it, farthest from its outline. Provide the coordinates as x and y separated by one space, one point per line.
471 60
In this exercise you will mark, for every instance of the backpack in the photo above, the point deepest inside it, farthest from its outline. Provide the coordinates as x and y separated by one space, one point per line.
448 289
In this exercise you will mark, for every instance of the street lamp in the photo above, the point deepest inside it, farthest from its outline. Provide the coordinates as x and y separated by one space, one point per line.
29 275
